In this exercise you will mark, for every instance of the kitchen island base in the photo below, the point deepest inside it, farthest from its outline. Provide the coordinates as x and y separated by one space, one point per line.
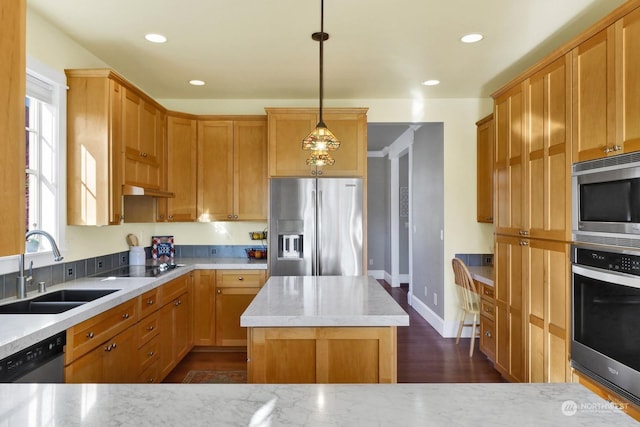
322 355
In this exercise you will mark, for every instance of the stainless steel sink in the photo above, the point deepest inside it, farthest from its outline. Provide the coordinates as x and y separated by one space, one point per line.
55 302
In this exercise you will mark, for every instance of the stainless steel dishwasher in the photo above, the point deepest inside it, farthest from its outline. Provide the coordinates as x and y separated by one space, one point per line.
43 362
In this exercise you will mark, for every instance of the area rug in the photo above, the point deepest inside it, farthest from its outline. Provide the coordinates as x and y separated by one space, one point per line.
216 377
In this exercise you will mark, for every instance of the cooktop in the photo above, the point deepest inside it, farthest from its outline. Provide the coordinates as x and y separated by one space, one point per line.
139 270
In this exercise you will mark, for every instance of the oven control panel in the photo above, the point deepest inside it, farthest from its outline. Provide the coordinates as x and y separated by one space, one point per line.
606 260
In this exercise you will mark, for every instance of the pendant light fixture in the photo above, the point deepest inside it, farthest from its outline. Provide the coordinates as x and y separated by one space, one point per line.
321 140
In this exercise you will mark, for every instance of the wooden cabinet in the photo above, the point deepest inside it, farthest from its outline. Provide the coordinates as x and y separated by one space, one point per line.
204 306
94 147
628 81
235 289
289 126
594 97
510 308
12 119
175 338
144 141
485 162
487 320
547 149
510 164
100 349
322 355
548 298
232 169
181 170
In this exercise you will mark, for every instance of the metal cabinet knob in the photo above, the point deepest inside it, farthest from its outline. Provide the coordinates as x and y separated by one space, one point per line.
150 302
150 328
487 334
241 278
219 291
150 353
90 335
125 316
177 303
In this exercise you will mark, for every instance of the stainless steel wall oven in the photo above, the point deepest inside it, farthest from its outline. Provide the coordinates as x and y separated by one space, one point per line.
605 341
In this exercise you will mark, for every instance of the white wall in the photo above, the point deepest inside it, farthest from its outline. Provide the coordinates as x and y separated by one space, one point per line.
462 233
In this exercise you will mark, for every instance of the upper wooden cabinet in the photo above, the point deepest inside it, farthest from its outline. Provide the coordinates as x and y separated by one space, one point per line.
144 141
509 166
181 170
12 88
485 162
289 126
607 91
232 169
548 152
94 147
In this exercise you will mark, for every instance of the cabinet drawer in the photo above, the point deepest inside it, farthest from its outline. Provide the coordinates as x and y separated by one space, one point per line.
147 328
240 278
487 292
487 337
487 309
173 289
87 335
149 302
151 374
148 353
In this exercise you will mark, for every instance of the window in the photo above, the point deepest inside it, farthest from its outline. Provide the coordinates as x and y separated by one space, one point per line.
44 183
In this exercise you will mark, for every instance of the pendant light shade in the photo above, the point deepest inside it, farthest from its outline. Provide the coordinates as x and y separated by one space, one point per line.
321 139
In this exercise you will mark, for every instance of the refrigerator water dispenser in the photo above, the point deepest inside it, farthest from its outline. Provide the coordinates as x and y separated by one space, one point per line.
290 246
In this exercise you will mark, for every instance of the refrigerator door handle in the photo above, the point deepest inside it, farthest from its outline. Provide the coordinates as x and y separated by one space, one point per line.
319 232
314 245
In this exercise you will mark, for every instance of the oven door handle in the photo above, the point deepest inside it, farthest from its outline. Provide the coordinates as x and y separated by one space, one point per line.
606 276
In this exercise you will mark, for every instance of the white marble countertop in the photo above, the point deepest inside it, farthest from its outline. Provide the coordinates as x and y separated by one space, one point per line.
482 274
19 331
306 405
323 301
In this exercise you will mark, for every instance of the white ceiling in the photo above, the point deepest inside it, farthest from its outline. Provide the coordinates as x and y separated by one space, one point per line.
262 49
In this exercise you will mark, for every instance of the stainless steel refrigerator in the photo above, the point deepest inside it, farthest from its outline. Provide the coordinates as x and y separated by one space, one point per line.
315 227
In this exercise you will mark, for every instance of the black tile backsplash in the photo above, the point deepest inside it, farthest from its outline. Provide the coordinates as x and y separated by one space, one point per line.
59 272
476 260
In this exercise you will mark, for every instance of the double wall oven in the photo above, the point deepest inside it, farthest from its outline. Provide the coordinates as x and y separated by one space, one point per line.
605 341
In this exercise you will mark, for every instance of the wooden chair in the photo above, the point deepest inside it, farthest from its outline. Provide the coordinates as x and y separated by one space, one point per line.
469 300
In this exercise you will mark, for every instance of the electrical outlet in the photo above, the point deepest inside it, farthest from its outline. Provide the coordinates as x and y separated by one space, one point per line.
435 299
425 291
213 251
488 260
123 259
371 261
70 272
99 264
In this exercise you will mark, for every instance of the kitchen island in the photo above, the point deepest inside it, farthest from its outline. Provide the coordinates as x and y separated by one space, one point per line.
322 329
306 405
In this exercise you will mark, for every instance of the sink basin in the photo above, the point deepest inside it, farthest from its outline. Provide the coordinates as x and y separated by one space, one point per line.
74 295
55 302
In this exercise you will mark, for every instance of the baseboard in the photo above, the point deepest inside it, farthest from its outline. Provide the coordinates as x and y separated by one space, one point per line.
377 274
446 329
403 278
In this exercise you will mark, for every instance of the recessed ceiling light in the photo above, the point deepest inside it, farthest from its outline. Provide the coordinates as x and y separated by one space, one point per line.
155 38
431 82
471 38
196 82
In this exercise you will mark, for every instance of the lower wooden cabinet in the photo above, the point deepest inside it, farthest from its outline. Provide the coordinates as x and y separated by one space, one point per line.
110 362
235 289
204 305
116 347
322 355
487 320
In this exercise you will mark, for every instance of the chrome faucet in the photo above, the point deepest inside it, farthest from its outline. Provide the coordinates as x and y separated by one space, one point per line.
22 279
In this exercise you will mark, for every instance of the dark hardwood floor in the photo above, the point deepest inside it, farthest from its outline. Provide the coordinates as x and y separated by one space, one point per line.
423 355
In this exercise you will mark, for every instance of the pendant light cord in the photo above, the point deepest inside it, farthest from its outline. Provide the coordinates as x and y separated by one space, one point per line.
321 55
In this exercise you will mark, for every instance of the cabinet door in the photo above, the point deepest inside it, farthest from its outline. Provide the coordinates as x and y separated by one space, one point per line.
204 291
174 338
215 170
286 132
250 177
87 369
485 164
548 182
94 137
628 76
119 356
235 289
593 97
181 169
351 158
548 311
509 321
510 162
182 336
12 119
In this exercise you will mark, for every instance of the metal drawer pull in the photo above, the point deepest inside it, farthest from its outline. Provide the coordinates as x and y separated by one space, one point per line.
219 291
241 278
150 353
487 334
90 335
150 328
177 303
150 302
125 316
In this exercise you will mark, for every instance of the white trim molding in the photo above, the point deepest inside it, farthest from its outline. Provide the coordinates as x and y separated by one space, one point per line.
446 329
